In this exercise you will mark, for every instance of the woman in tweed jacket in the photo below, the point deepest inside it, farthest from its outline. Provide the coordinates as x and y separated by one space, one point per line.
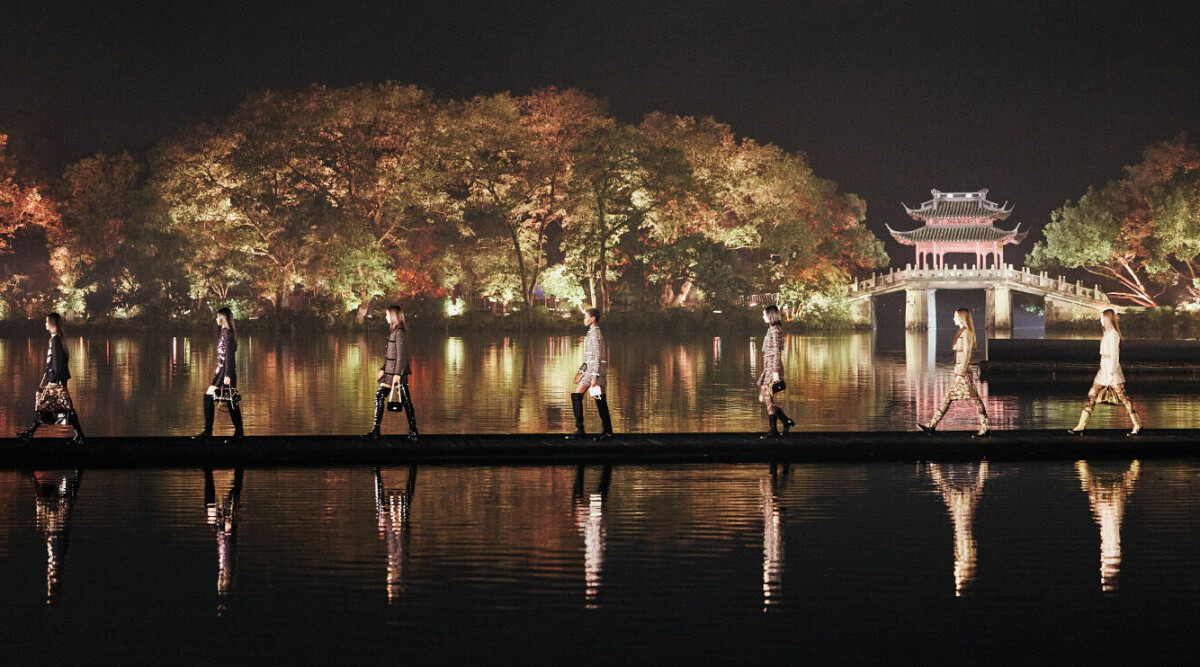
395 371
224 375
593 373
772 372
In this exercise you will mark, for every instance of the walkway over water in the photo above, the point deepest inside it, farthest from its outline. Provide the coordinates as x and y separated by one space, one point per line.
633 448
1065 301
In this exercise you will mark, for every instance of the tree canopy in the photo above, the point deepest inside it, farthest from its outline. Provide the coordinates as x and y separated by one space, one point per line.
331 199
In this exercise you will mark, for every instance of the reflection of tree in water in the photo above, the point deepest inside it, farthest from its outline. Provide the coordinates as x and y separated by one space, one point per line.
1107 493
393 511
55 493
590 519
770 490
961 486
222 510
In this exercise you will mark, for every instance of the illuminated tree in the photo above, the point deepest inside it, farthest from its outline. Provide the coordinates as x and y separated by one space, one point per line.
27 216
1138 232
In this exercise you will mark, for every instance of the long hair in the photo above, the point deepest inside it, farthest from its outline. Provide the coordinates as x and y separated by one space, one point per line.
1111 316
228 315
399 313
773 317
965 315
56 320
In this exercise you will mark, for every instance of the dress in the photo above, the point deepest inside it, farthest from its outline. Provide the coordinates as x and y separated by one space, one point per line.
226 359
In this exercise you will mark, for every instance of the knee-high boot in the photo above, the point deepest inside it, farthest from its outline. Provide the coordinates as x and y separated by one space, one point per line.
78 439
605 418
773 421
28 433
235 415
785 420
210 411
380 404
406 399
577 409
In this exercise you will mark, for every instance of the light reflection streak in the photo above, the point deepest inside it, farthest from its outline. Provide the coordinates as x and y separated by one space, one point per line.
961 487
1108 494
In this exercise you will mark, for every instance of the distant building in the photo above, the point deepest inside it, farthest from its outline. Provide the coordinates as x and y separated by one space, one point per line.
959 222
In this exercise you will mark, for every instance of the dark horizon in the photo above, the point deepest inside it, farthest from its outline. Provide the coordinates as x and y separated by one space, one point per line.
1033 102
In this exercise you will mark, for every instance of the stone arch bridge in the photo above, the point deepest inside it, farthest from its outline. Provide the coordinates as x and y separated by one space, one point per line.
1065 301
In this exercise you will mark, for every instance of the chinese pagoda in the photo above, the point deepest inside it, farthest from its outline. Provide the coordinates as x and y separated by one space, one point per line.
959 222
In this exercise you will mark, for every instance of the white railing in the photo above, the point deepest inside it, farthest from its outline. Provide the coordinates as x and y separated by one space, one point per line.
1041 282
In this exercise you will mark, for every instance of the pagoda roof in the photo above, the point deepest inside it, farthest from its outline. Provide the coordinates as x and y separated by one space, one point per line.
958 234
959 206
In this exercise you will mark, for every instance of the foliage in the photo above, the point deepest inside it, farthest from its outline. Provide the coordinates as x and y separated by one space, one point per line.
1140 233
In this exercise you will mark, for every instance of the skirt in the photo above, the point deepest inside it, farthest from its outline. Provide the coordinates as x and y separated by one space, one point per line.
962 388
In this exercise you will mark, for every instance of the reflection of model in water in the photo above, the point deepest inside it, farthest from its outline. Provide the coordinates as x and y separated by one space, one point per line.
770 490
55 497
223 517
1109 383
589 517
1107 494
962 384
961 486
393 509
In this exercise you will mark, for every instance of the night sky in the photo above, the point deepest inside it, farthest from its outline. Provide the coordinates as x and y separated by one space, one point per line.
1032 100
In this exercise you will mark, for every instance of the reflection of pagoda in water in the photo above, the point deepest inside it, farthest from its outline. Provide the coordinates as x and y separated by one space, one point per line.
1107 493
55 493
961 486
770 490
590 519
222 514
393 510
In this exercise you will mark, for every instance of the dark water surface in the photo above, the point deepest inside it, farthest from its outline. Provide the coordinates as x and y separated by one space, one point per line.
1046 562
316 383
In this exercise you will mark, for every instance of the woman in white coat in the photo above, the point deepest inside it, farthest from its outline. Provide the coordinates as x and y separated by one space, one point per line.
1109 385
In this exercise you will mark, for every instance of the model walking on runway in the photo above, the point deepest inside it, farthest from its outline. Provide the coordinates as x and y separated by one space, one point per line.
54 404
592 377
393 375
770 380
962 386
224 380
1109 383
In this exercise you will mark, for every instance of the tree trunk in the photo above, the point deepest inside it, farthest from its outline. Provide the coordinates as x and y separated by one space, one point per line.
364 307
684 292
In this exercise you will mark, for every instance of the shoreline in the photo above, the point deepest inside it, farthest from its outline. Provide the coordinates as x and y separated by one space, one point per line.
637 448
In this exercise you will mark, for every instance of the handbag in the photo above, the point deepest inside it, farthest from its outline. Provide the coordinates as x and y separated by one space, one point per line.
777 387
52 403
227 395
1108 395
396 398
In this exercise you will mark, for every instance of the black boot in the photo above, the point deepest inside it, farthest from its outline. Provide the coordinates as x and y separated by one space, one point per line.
605 418
235 415
773 420
210 411
785 420
577 408
380 404
409 412
78 439
27 434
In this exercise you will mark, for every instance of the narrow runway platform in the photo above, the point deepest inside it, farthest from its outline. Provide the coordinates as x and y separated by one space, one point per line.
535 449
